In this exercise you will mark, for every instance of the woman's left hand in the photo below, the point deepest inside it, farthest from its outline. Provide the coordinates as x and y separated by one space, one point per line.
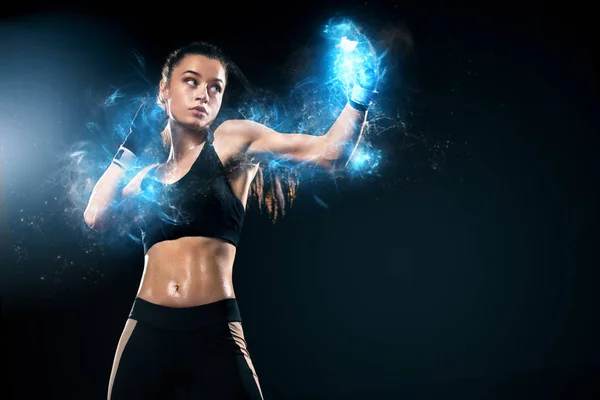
359 56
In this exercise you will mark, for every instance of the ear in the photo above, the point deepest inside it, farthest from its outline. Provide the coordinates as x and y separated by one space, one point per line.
164 90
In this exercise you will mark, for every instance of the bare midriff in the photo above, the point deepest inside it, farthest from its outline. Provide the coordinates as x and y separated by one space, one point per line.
188 272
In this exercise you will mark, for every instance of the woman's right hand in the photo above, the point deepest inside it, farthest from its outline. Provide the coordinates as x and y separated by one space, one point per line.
149 120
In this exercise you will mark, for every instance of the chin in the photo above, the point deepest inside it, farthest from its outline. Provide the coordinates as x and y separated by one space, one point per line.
195 123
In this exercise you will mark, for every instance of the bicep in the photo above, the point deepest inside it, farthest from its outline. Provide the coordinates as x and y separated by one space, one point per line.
264 143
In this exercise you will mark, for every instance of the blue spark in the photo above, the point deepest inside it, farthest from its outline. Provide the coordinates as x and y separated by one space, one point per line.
112 99
135 238
365 160
320 201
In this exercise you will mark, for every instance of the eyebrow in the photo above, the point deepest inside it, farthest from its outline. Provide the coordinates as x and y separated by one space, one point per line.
198 74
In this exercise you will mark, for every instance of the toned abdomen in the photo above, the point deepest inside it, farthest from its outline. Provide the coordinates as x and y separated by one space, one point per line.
187 272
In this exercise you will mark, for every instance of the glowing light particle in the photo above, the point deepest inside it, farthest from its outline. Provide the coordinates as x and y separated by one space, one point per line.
348 45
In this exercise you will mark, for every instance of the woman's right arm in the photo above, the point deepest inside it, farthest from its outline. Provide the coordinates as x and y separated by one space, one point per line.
102 211
111 198
105 206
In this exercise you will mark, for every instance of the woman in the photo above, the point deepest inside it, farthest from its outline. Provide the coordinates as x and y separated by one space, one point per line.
185 326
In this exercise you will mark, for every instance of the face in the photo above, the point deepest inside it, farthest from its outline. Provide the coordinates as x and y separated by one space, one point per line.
194 93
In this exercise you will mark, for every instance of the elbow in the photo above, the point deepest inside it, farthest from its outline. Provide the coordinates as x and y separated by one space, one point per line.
90 220
329 156
93 221
333 161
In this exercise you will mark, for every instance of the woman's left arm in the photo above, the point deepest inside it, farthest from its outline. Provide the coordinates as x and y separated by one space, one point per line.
336 147
330 151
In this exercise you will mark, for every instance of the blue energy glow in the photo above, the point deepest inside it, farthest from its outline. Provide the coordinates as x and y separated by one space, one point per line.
353 57
311 107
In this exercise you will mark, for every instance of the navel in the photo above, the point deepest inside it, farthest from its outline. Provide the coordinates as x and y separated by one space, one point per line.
174 289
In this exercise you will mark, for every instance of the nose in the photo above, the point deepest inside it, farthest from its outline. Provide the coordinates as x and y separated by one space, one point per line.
201 94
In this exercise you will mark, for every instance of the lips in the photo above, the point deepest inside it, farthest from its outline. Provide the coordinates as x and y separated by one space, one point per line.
199 110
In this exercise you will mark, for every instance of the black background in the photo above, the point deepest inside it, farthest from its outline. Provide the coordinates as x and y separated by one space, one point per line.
466 272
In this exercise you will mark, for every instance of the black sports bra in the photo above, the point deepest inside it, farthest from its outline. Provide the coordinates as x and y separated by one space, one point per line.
201 203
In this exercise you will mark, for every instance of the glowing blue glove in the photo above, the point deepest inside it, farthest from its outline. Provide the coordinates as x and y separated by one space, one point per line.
355 62
362 64
148 120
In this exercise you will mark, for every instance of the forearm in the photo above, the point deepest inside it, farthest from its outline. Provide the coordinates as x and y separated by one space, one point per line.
106 193
344 135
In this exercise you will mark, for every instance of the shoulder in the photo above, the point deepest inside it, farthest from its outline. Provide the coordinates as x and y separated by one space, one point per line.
233 137
243 133
133 187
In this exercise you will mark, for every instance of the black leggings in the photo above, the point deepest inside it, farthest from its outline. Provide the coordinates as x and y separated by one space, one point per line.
200 350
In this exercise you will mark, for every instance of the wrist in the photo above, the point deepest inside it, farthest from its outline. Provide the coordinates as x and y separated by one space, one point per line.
125 158
361 98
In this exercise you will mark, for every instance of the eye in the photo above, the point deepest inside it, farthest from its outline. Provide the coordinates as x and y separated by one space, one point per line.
216 88
191 82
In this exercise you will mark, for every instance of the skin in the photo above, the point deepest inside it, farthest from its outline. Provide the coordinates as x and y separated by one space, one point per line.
193 271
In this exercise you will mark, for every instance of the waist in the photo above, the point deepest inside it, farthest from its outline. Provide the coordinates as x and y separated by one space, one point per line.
184 318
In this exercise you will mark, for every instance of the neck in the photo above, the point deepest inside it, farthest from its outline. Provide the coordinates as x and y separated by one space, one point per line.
184 141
